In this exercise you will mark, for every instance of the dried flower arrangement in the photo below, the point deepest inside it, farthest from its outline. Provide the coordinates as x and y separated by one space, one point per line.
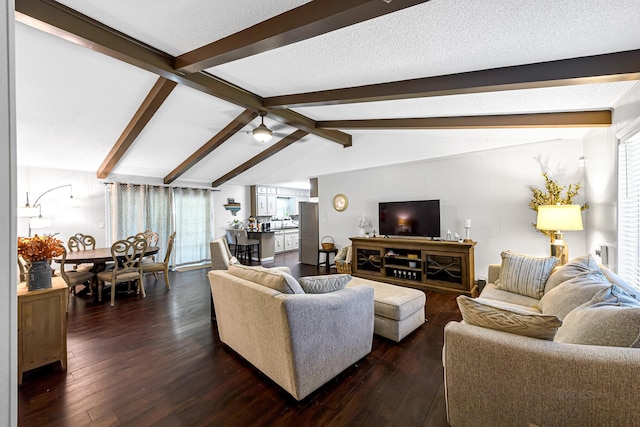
552 195
39 248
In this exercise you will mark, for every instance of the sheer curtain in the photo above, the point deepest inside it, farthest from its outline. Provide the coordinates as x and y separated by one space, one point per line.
193 210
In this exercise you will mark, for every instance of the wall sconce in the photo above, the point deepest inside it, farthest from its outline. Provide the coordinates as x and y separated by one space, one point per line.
34 213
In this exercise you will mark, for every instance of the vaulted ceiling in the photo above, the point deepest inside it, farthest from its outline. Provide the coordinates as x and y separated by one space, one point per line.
171 90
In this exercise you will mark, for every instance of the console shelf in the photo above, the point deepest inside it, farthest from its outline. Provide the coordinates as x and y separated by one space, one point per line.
415 262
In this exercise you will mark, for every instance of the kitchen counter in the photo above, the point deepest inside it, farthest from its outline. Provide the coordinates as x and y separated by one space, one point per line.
267 243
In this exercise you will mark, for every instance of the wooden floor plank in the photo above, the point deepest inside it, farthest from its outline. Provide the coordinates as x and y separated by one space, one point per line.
159 361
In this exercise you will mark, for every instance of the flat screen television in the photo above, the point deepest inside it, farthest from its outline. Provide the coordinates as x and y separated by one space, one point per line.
412 218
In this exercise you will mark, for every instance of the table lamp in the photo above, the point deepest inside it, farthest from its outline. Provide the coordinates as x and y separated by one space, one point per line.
559 217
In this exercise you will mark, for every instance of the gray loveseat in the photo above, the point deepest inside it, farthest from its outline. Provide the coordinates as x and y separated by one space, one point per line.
297 339
499 378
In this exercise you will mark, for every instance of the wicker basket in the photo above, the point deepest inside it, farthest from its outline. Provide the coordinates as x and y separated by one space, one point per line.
327 243
343 267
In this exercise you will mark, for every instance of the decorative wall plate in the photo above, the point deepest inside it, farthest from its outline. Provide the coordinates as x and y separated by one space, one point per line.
340 202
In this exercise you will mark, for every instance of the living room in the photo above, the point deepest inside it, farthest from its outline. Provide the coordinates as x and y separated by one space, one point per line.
478 174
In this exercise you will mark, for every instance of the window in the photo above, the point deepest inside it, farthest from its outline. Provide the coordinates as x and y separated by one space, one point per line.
135 208
629 208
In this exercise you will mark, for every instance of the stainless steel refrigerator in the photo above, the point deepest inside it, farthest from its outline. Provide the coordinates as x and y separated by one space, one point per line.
309 240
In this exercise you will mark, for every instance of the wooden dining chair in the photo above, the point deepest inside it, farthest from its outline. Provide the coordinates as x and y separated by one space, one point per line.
163 267
152 240
23 266
127 258
81 242
74 277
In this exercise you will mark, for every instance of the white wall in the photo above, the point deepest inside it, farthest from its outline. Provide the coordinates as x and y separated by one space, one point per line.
600 152
8 250
223 217
489 187
88 218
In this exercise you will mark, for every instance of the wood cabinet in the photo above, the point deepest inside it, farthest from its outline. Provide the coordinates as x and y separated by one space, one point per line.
42 326
414 262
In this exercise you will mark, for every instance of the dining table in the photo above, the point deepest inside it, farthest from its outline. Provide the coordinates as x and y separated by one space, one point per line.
99 258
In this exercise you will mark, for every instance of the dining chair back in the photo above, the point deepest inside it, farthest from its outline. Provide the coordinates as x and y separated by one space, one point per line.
127 257
23 266
152 238
162 267
81 242
74 277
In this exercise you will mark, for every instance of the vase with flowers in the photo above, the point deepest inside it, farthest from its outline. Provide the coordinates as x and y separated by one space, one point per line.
38 251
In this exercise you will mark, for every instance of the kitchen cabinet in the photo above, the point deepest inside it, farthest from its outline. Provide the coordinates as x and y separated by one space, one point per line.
276 201
291 240
278 240
265 205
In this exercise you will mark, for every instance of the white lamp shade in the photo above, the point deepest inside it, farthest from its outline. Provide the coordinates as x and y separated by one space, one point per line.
559 217
262 133
36 223
28 212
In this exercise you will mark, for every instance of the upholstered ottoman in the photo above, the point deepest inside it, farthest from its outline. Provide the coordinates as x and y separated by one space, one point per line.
398 310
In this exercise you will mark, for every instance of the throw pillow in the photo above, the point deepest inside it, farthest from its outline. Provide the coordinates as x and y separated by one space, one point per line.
324 284
271 278
610 318
630 289
524 275
583 264
490 314
560 300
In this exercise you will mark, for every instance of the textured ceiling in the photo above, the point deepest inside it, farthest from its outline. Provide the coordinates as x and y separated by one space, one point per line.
74 103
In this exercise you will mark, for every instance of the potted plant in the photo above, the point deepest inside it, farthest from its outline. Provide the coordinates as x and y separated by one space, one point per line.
38 251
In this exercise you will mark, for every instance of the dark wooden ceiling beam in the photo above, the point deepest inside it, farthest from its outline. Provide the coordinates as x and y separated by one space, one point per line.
309 20
275 148
610 67
600 118
154 99
64 22
231 129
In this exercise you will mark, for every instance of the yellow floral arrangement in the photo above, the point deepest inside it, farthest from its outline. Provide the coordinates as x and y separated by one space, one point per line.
553 196
39 248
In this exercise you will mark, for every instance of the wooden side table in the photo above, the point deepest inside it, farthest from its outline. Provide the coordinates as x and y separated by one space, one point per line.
42 326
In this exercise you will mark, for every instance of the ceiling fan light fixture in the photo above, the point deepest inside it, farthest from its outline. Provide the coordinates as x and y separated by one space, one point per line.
262 133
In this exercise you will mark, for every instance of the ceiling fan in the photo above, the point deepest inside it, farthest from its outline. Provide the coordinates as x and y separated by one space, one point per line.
262 133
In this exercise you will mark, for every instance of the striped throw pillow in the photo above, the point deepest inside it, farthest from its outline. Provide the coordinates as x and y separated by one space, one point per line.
523 274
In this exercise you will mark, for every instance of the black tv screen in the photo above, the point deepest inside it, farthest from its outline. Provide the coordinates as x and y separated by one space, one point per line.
416 218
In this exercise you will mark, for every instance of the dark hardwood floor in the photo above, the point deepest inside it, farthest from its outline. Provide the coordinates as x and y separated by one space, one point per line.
159 361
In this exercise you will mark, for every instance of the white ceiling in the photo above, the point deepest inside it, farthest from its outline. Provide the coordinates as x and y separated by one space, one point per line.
73 103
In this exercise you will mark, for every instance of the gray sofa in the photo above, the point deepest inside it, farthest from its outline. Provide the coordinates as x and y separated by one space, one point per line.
499 378
297 339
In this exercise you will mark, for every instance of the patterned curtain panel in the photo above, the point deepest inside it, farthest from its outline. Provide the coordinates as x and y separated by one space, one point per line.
127 212
159 210
193 219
